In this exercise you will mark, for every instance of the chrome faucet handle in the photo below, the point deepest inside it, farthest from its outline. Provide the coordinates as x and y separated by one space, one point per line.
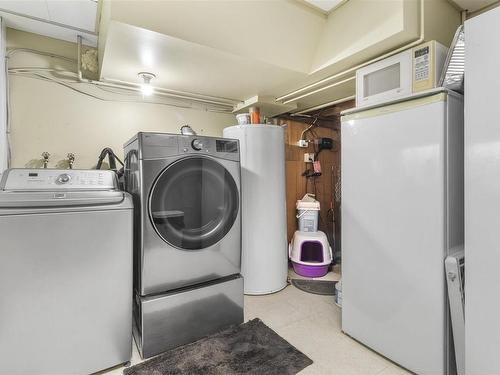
46 157
71 160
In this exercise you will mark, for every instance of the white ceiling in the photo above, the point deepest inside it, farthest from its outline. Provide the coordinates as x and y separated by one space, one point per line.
191 67
325 5
54 18
187 66
217 48
279 32
473 5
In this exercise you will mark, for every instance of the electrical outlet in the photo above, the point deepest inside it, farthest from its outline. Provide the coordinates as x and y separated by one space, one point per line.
302 143
308 158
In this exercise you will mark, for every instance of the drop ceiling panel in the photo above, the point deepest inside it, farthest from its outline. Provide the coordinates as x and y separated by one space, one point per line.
47 29
53 18
80 14
33 8
186 66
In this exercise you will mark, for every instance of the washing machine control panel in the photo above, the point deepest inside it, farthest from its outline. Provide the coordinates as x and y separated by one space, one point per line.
56 179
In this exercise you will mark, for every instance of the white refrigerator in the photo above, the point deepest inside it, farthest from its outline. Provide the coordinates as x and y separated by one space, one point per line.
402 213
482 194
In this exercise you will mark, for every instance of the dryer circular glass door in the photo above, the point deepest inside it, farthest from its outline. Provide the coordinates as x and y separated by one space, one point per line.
194 203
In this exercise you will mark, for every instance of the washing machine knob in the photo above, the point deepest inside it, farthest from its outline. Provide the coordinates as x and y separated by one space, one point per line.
197 144
63 178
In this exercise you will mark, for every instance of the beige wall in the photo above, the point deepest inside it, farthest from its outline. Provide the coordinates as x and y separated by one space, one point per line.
48 117
441 21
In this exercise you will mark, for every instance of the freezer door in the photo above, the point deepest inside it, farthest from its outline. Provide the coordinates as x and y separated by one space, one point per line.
482 186
393 233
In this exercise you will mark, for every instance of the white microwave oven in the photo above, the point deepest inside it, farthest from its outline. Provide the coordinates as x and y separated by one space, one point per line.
414 70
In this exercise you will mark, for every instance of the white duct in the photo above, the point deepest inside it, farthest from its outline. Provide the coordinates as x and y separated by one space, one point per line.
264 262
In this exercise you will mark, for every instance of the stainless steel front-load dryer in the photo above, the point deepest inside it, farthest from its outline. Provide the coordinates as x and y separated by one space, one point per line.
187 237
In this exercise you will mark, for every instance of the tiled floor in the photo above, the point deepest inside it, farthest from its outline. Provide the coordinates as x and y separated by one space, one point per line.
312 324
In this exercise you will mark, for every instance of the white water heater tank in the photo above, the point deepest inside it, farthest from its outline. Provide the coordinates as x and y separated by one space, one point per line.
264 261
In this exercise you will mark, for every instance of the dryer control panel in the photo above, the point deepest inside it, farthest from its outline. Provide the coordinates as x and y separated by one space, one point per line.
208 145
196 144
58 179
163 145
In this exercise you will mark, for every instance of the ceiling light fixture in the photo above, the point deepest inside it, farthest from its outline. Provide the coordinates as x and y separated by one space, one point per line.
146 87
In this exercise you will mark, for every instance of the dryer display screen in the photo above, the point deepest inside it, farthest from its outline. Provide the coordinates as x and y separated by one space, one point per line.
226 146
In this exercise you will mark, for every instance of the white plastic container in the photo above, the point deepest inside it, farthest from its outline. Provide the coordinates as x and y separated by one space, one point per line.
307 214
243 118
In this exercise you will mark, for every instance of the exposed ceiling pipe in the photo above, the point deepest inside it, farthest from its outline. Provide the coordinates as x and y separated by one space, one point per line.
321 106
184 94
353 69
318 118
79 58
320 89
221 102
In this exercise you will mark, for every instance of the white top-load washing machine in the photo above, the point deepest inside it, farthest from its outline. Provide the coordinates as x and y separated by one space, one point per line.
187 244
65 272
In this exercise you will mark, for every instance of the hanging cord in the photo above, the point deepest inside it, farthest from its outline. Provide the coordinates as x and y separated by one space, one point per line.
329 233
305 131
310 128
112 158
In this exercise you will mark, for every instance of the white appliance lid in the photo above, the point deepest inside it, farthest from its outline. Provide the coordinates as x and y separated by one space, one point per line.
18 179
47 199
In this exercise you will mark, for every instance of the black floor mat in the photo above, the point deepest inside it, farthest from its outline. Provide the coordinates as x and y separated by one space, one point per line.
250 348
325 288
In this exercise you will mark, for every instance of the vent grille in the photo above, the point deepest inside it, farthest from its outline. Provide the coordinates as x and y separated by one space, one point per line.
454 67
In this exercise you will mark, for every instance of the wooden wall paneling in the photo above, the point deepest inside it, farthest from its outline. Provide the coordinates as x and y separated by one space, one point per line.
327 125
295 166
291 192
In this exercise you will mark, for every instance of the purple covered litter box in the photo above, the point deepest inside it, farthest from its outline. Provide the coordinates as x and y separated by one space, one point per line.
310 254
310 271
